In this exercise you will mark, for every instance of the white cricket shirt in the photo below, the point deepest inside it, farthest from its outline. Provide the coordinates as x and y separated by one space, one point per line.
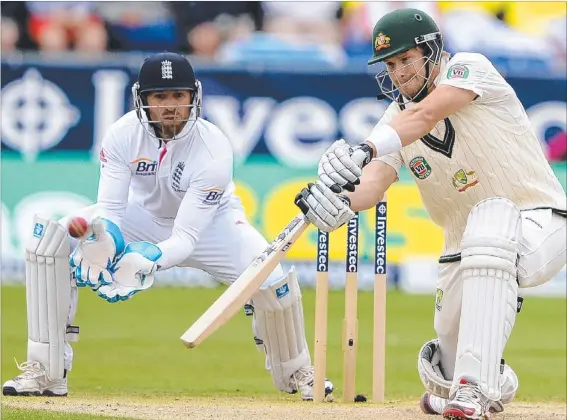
180 183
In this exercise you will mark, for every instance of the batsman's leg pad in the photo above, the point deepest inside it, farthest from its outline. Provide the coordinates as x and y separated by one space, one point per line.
430 372
428 366
489 251
510 385
48 296
278 322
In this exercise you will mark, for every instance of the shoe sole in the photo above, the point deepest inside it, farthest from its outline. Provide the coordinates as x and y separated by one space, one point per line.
11 392
457 414
48 393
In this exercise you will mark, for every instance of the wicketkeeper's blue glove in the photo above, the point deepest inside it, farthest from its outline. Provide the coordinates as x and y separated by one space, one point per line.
92 257
132 272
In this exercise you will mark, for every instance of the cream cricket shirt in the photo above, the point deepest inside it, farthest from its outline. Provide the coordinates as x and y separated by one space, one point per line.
486 149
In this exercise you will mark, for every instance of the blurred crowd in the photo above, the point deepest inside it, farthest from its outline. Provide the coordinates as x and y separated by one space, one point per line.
333 32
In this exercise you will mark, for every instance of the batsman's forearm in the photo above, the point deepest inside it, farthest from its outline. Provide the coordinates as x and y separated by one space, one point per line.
404 129
412 124
367 194
376 178
364 197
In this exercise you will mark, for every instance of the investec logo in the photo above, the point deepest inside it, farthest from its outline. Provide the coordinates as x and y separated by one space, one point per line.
145 166
323 251
352 250
380 257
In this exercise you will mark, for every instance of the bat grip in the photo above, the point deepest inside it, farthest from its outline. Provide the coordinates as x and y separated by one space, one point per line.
362 155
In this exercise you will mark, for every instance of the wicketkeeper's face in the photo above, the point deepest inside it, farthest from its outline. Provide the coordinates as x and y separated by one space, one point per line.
408 72
170 108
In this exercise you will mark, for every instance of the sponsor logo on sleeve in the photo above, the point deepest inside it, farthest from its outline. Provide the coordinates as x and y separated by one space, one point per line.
458 71
213 197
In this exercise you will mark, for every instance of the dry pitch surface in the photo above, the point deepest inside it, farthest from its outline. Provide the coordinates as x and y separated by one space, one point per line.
246 409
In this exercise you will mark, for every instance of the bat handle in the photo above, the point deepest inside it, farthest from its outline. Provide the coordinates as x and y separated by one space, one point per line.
362 154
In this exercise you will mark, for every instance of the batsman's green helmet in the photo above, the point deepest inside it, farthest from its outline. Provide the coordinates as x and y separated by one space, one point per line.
402 29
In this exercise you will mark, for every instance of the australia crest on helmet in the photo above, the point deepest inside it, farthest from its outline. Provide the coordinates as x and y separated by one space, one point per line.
382 41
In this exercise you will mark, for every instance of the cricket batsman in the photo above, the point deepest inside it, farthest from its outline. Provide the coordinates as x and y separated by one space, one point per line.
165 199
459 128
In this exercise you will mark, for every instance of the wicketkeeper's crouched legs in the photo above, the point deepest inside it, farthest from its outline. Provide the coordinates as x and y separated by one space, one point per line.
278 324
51 298
279 331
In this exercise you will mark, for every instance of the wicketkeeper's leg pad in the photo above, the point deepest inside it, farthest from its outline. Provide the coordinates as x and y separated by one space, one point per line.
490 253
48 296
278 322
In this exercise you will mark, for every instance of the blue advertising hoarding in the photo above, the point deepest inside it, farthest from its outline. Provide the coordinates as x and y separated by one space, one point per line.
290 115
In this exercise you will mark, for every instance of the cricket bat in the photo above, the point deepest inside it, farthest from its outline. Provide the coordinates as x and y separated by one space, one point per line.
238 293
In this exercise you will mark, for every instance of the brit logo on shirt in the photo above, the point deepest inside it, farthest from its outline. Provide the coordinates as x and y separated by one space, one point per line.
176 177
145 166
213 197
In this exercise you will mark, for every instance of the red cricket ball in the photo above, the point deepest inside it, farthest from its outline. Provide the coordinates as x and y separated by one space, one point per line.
78 227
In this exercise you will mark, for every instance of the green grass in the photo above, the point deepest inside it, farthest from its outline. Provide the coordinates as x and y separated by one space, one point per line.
133 348
10 413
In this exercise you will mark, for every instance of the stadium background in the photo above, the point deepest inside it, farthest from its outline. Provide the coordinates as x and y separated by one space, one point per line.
282 83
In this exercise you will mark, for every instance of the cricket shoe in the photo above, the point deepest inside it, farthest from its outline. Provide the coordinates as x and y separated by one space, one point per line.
468 403
33 381
432 404
302 380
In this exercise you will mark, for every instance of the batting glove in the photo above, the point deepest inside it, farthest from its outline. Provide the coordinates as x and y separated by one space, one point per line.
341 165
322 207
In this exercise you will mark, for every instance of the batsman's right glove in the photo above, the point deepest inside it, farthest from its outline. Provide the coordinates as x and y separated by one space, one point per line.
322 207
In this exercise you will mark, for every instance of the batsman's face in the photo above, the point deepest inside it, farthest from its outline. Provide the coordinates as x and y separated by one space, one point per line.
171 108
408 71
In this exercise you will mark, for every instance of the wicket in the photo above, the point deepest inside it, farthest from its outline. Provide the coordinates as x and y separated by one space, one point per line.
350 322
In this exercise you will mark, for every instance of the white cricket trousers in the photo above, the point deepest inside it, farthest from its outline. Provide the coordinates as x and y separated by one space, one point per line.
542 256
